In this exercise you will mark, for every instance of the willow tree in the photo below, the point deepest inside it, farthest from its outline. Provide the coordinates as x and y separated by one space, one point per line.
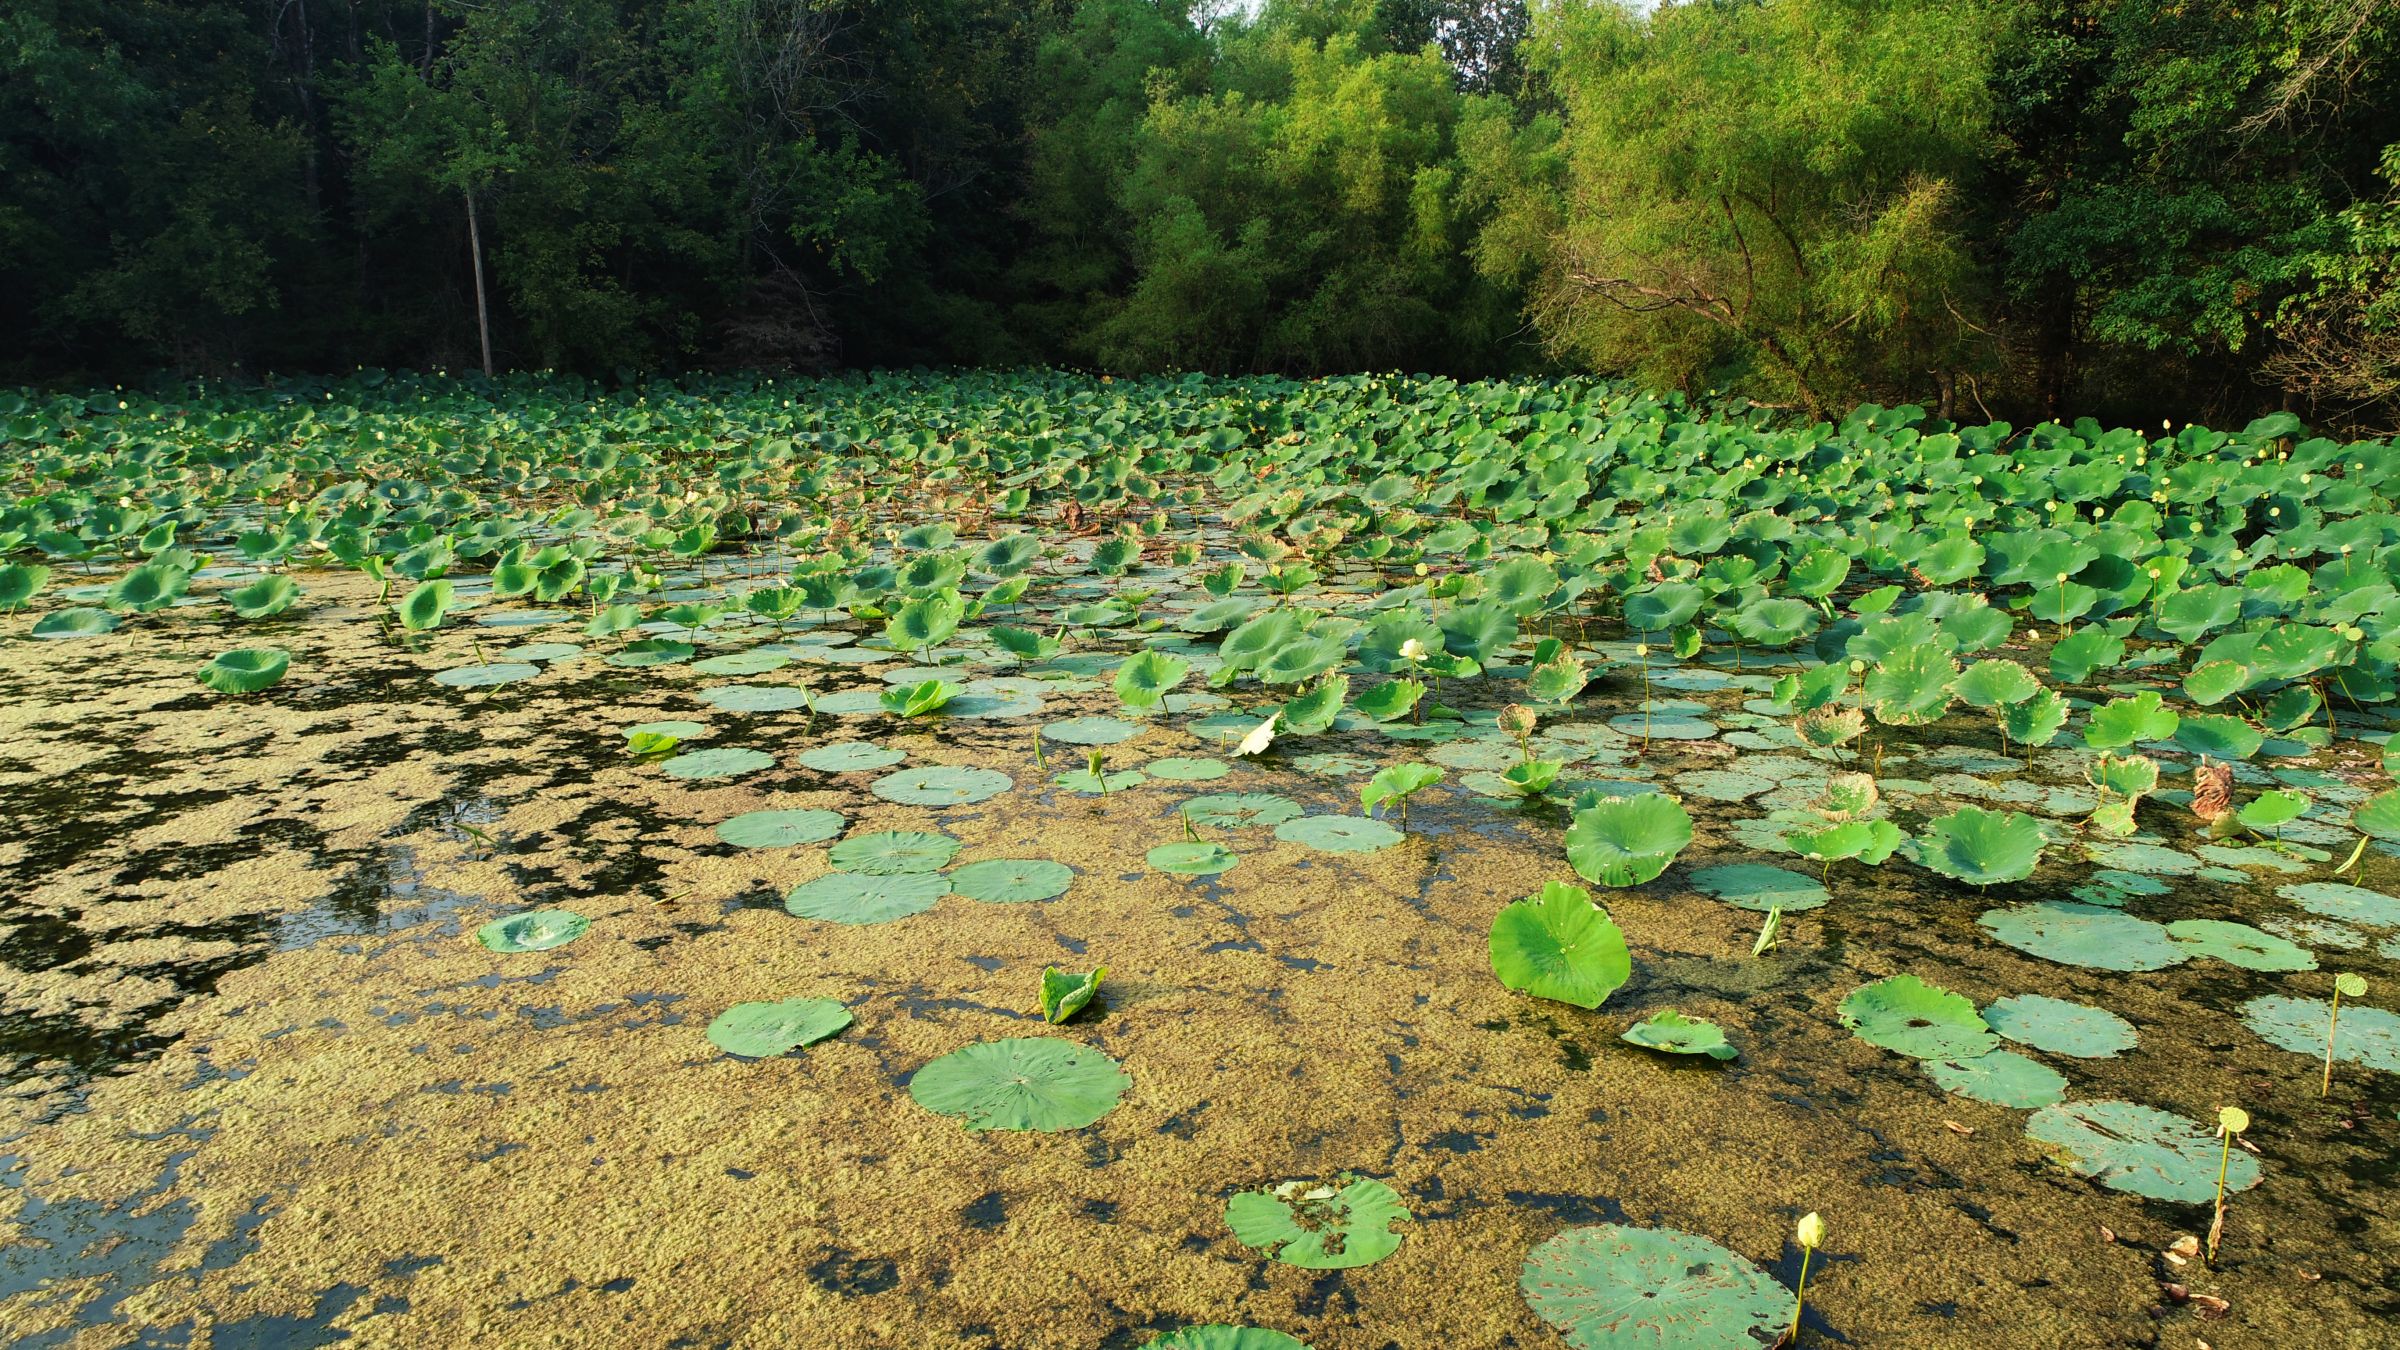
1763 192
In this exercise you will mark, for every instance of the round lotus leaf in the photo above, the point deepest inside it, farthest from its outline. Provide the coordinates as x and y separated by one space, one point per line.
942 785
888 853
1626 841
79 622
1476 754
1222 1337
2141 1150
780 829
2003 1078
1664 726
1332 765
682 731
1024 1083
1559 945
1091 731
535 930
1722 785
2241 945
1082 780
1339 834
245 670
1760 887
1980 847
1670 1032
757 661
1317 1225
852 703
849 757
1904 1014
2084 935
650 652
484 675
864 897
2060 1027
1193 859
723 762
1186 770
765 1030
1239 810
548 653
1617 1287
2368 1036
2152 859
2350 904
754 698
1012 880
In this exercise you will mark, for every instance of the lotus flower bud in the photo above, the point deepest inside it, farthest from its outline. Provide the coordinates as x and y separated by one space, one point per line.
1812 1231
1412 650
1517 720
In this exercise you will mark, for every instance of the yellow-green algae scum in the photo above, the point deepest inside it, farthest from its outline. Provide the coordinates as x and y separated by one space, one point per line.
394 1135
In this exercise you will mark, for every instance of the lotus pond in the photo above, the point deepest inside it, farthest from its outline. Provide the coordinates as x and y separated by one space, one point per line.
1026 861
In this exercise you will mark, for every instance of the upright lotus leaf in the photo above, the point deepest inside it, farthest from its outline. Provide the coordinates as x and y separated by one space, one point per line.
1557 680
2273 809
1478 631
1023 1083
1980 847
1827 726
1869 841
1318 1225
1902 1013
2089 649
79 621
264 598
925 622
1397 783
20 582
1911 687
1024 644
2209 683
2130 776
1301 659
2379 815
765 1030
426 605
2036 720
1626 841
1390 700
1670 1032
2141 1150
151 586
919 699
2218 736
2125 721
245 670
1617 1287
1774 621
1995 683
1065 993
1314 711
1146 678
535 930
1219 1336
1667 605
1559 945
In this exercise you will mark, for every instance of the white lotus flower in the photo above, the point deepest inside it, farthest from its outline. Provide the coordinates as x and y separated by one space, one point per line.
1260 737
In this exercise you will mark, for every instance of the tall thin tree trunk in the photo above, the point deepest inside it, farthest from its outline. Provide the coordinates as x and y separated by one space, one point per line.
483 313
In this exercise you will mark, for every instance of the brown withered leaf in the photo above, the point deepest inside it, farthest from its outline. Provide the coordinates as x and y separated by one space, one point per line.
2212 790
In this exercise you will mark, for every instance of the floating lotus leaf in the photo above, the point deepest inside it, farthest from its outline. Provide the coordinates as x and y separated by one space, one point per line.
1981 847
2085 935
1670 1032
486 675
1012 880
2002 1078
2365 1036
535 930
1024 1083
2140 1150
780 829
1665 726
2350 904
765 1030
2060 1027
1626 841
246 670
1240 810
942 785
1186 770
1084 781
864 897
1221 1337
1339 834
1559 945
1318 1225
1193 859
754 698
1617 1287
1904 1014
1092 731
849 757
650 652
894 852
1760 887
854 702
2241 945
723 762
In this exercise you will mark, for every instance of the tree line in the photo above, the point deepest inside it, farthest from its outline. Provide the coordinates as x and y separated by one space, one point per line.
2003 207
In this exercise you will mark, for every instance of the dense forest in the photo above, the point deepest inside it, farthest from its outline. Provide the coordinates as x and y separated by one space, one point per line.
2143 208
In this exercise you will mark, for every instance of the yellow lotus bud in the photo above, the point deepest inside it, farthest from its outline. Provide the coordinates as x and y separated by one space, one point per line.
1812 1231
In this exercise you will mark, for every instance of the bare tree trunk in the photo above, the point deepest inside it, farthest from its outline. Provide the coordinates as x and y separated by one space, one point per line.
483 314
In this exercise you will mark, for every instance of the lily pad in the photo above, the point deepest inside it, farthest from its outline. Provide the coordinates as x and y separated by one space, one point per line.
1092 731
2368 1036
1239 810
1317 1225
2350 904
2241 945
894 852
1198 859
1759 887
780 829
2059 1026
722 762
754 698
2003 1078
535 930
942 785
1222 1337
1023 1083
765 1030
1617 1287
2140 1150
1904 1014
1670 1032
2084 935
1187 770
864 897
849 757
1012 880
1339 834
1559 945
246 670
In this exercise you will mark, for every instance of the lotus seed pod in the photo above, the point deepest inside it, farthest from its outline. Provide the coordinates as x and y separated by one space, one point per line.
1517 720
2351 986
2232 1119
